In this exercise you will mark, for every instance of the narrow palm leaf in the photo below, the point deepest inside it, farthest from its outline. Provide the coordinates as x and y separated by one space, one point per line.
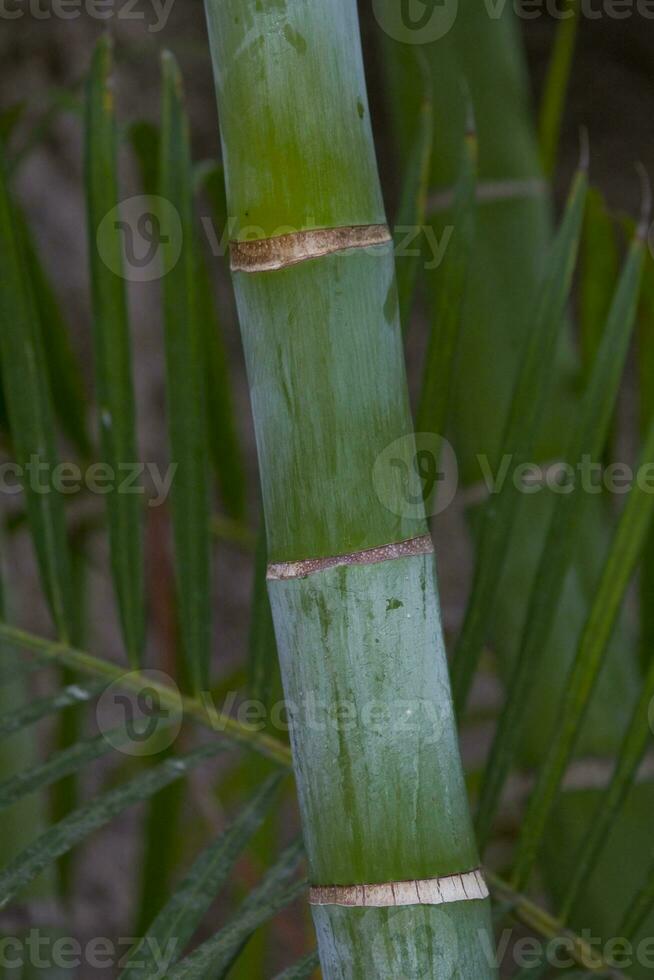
631 753
223 437
301 970
589 437
640 909
64 763
186 394
623 556
214 957
556 85
113 371
412 211
449 285
31 417
525 416
180 918
29 714
62 837
64 372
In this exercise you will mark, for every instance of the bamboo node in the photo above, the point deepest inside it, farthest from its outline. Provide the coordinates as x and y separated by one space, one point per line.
283 251
468 887
372 556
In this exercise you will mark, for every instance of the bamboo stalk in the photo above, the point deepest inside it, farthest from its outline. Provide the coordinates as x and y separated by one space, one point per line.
352 578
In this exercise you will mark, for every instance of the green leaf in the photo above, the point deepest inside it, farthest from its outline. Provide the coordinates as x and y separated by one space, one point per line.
214 957
64 371
640 909
63 836
447 311
112 355
29 714
222 428
162 841
520 434
599 270
63 763
622 559
304 968
186 393
29 402
630 755
180 918
145 140
556 85
588 440
412 211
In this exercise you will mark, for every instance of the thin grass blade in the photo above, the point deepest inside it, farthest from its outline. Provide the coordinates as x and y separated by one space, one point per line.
214 957
449 285
412 212
633 748
527 409
599 272
67 385
31 416
64 763
145 140
640 909
180 918
588 438
29 714
186 393
624 553
222 429
556 85
112 354
301 970
65 835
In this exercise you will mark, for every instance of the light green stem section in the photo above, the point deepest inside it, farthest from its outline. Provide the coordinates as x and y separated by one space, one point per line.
376 759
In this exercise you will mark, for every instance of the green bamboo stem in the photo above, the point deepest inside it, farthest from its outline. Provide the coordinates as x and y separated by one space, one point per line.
352 580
